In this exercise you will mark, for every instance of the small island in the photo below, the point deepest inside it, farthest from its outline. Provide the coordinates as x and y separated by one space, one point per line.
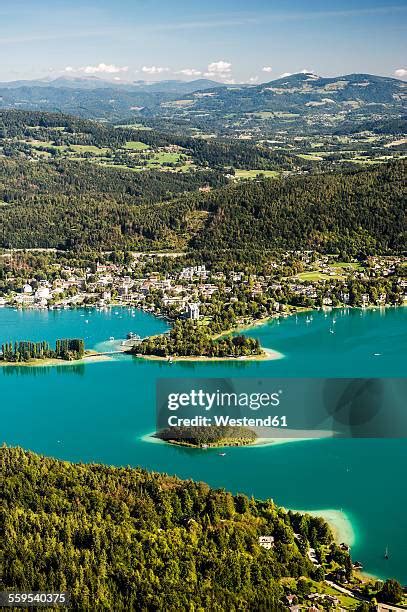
193 339
25 352
208 437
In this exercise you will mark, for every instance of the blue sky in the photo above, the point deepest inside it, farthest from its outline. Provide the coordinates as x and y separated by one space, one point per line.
227 40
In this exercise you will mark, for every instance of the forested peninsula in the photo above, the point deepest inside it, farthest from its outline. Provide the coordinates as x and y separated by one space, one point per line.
124 538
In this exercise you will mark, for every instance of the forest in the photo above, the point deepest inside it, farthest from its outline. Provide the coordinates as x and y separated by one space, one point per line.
129 539
75 206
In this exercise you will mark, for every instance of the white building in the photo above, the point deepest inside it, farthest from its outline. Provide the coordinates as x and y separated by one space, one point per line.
192 311
42 293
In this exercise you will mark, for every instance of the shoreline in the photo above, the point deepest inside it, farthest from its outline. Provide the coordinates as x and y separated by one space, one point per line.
91 357
151 438
241 327
339 522
266 355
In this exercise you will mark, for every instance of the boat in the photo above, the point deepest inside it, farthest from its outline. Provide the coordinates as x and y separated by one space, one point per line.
377 354
331 331
170 360
386 553
307 320
111 338
222 454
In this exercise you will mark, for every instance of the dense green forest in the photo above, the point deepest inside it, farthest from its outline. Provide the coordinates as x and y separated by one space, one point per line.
128 539
355 212
70 205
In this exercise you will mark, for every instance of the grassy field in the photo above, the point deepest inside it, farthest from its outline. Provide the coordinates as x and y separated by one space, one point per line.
309 156
89 149
251 174
313 276
135 145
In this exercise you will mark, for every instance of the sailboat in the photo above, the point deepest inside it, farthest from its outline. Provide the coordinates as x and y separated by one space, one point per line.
386 553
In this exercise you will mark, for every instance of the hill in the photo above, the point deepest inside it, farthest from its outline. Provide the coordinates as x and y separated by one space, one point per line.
306 95
67 205
128 539
91 82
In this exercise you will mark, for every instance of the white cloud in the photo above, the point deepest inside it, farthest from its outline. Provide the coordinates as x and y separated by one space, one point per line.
253 79
99 69
154 69
190 72
285 74
401 73
267 69
220 70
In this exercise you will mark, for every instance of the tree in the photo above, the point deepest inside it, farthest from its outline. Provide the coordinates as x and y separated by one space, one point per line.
392 592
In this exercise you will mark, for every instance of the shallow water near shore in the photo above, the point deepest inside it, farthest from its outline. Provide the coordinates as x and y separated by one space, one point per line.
101 411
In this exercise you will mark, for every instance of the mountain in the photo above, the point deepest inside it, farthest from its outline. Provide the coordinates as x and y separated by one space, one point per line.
174 86
302 99
305 93
96 98
177 86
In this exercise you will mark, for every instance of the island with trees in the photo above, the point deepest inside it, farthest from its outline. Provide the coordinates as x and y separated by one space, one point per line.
68 349
192 339
208 437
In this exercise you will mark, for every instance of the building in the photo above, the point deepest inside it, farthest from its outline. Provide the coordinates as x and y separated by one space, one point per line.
192 311
42 293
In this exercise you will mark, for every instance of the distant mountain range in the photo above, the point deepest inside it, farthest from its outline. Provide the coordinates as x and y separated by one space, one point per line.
92 82
306 91
301 95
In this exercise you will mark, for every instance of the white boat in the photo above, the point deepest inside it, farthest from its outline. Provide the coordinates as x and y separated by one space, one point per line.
222 454
111 338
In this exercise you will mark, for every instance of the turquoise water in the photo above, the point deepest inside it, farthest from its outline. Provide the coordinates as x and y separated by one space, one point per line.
101 411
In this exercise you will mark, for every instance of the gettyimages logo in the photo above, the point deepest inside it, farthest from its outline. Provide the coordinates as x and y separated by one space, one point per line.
287 407
367 407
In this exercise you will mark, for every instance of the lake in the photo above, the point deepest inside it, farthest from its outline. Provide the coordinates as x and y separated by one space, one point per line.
102 412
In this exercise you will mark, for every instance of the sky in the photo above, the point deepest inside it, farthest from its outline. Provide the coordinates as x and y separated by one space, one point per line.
225 40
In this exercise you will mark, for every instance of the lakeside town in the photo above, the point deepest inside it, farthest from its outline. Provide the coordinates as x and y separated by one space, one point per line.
196 292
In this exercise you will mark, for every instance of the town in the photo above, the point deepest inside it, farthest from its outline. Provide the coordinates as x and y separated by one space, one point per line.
165 285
